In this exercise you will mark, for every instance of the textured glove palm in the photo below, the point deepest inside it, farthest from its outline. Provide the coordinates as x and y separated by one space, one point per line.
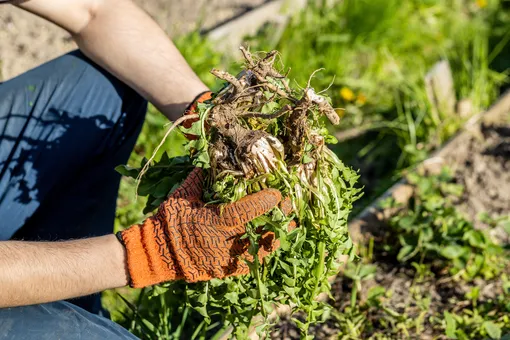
187 239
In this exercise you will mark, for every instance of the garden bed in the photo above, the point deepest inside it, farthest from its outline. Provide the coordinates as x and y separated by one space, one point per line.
479 155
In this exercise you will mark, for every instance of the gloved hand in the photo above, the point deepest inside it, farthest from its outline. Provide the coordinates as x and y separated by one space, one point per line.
192 109
187 239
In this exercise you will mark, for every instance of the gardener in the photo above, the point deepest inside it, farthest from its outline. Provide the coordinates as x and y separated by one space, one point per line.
64 127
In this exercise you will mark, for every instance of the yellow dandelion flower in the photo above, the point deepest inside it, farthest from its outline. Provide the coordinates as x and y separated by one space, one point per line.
347 94
361 99
481 3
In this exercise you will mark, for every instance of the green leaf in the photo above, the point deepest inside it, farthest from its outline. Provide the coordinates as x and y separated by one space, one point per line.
453 189
286 267
473 294
367 270
232 297
290 291
288 281
202 160
404 251
475 238
375 292
475 266
128 171
493 330
427 234
163 187
406 222
453 251
350 271
195 129
450 325
146 187
249 301
158 290
284 243
301 325
434 202
307 159
270 107
149 325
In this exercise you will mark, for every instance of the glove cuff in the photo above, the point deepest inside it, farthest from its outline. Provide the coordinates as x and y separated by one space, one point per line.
192 109
200 98
149 257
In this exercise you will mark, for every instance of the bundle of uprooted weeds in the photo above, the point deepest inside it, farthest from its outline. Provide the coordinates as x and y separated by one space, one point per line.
257 133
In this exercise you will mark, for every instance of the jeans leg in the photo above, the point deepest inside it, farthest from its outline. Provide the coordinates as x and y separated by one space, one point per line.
57 320
64 126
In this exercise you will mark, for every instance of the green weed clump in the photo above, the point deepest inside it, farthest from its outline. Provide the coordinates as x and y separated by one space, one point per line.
261 134
432 230
481 319
467 317
452 278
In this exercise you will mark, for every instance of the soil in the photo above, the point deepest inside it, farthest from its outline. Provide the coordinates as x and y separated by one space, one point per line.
27 41
444 294
483 168
482 165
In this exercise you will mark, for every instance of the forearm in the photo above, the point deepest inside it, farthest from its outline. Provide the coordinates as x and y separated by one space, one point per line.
123 39
39 272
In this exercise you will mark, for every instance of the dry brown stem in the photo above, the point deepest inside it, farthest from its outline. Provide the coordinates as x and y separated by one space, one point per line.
223 75
247 56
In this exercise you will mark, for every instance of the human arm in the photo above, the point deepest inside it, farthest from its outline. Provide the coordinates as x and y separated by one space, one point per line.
123 39
39 272
185 239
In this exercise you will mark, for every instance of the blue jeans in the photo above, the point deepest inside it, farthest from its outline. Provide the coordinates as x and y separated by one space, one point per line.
58 320
64 126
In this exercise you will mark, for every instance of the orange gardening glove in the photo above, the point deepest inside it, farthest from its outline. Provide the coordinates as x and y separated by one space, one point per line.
192 109
187 239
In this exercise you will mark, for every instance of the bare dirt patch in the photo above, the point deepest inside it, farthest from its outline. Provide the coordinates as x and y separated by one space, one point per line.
483 168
